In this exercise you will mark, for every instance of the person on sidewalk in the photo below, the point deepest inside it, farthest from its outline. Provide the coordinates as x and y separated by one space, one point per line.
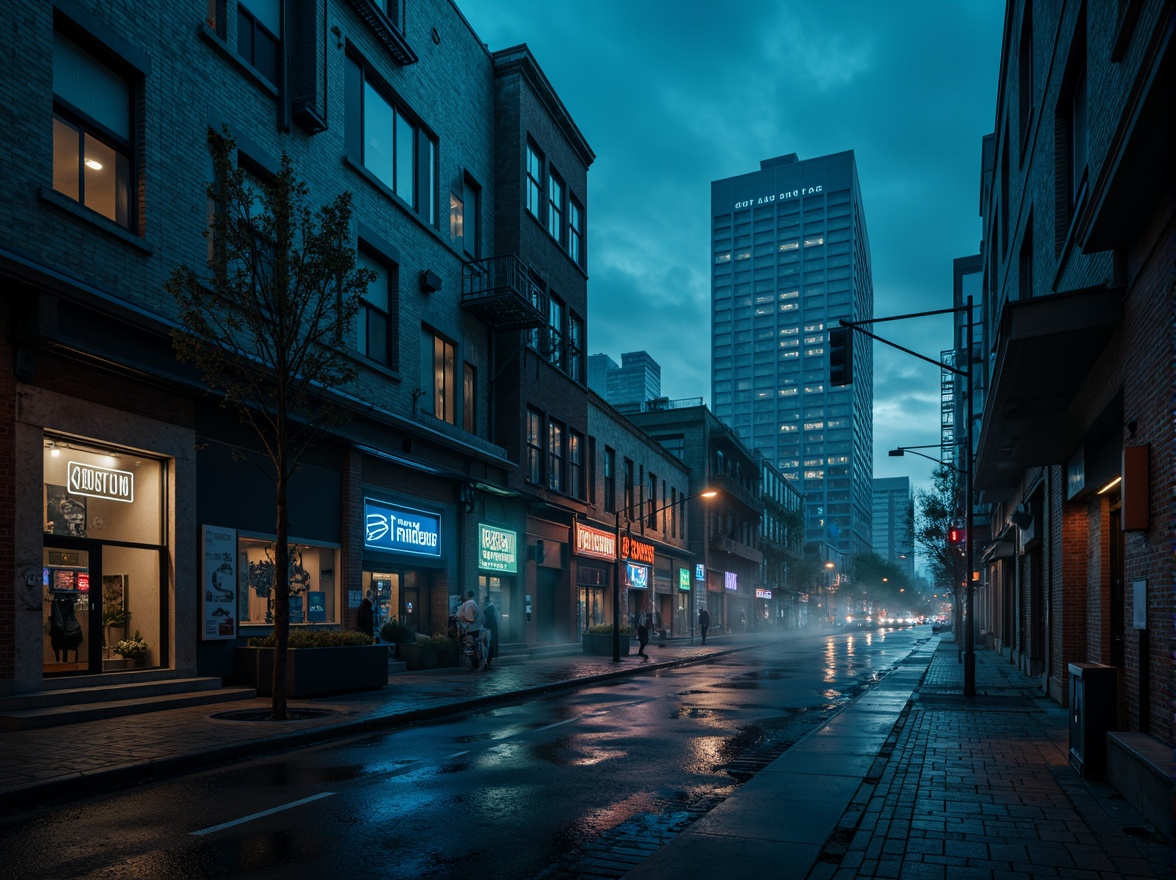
703 623
469 621
365 618
642 636
490 613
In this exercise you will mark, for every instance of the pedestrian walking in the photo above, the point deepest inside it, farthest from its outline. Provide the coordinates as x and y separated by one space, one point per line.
703 623
470 621
642 636
365 618
491 614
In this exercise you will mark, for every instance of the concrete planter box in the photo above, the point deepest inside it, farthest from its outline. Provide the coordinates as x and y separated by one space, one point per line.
601 644
315 671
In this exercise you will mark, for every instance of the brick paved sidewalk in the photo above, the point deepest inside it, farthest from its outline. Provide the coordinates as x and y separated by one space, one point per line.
982 788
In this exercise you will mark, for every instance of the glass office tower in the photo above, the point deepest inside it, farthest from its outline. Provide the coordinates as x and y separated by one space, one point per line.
790 258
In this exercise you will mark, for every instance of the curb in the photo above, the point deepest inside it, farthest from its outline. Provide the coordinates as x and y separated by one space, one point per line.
178 765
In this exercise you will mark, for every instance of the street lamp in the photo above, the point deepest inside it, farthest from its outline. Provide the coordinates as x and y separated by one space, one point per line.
620 572
913 450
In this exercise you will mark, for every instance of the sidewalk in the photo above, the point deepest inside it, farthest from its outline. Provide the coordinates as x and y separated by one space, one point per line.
909 780
179 740
915 780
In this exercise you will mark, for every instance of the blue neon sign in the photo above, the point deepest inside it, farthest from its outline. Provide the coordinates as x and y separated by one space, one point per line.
401 529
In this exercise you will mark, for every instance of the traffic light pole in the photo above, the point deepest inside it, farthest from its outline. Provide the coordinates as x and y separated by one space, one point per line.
969 546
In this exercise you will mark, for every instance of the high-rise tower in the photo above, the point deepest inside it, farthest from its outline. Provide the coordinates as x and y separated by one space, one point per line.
790 258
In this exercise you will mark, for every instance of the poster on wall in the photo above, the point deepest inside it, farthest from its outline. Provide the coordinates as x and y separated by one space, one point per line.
65 514
316 606
218 580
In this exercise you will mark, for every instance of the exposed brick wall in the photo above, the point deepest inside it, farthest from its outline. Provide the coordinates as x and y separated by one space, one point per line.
1132 382
7 501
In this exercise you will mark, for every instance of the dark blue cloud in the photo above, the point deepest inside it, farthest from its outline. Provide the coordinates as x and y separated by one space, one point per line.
673 95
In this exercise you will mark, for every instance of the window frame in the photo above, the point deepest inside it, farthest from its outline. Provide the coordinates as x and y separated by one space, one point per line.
362 82
534 447
365 252
574 354
556 452
556 315
86 127
471 217
610 480
556 194
576 231
272 71
534 193
442 394
575 460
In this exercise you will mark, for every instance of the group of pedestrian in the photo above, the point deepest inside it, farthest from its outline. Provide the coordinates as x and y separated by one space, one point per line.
483 623
470 618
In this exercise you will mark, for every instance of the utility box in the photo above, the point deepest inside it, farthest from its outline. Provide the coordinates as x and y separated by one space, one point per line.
1093 711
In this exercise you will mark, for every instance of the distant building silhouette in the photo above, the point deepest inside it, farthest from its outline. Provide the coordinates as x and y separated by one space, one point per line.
790 257
628 386
893 540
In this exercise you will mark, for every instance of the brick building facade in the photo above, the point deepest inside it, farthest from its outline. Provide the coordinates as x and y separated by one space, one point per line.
470 432
1075 453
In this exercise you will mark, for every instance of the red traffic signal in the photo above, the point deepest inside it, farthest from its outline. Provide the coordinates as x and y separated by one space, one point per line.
956 535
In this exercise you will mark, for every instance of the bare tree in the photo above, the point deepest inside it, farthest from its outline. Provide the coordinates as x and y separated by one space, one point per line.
265 325
937 510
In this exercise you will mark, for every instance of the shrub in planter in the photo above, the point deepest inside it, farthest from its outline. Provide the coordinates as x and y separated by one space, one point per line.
320 661
314 638
598 639
437 651
599 628
397 633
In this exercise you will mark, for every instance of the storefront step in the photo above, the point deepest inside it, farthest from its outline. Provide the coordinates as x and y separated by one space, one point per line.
56 707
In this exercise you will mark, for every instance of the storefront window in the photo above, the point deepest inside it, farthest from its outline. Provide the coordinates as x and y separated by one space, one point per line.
314 596
103 558
102 494
592 607
502 593
398 597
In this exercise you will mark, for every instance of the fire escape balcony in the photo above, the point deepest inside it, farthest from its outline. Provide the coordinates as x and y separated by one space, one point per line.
734 547
502 292
733 490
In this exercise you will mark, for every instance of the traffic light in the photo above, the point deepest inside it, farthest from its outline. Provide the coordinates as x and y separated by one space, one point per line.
840 356
956 535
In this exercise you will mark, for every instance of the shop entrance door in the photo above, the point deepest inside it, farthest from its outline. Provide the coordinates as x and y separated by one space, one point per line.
71 583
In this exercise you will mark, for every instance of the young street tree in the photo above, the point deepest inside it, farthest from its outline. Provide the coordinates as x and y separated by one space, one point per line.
264 325
937 510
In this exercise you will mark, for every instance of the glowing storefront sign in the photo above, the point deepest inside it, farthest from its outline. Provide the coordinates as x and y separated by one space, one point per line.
594 542
730 580
99 482
498 549
684 579
637 576
638 551
401 529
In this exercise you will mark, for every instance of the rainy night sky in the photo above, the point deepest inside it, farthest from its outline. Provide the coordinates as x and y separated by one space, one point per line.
673 95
